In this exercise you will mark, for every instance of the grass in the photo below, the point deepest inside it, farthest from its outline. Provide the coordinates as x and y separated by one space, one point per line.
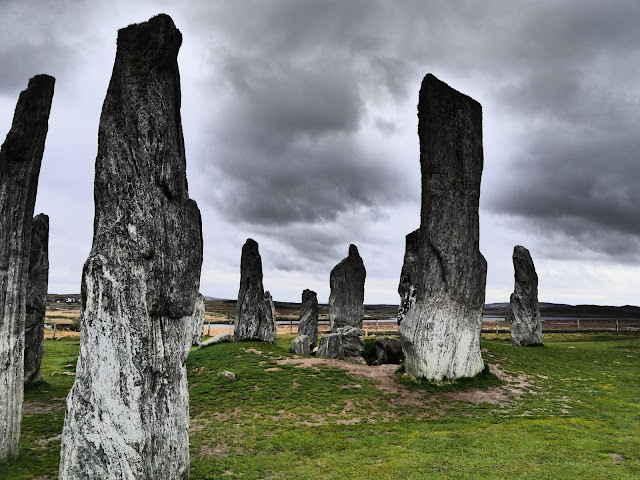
577 416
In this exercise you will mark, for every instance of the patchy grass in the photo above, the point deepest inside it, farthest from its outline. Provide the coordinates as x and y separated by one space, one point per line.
570 409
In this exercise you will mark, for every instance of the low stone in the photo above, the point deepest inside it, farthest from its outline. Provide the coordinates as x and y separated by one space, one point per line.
230 375
220 338
330 346
388 350
300 345
352 341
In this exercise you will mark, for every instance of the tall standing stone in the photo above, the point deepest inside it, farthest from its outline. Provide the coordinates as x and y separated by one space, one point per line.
440 334
20 160
526 323
407 289
308 324
255 312
128 411
346 300
37 284
198 321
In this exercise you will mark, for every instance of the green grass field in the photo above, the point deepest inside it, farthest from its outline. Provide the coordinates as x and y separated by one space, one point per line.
570 409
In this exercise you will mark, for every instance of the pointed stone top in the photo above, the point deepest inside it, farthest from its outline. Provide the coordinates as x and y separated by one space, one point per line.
250 245
306 294
519 249
353 251
432 84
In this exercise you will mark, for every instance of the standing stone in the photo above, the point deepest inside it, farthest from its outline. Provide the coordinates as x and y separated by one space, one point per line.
388 350
128 411
255 312
346 301
440 334
409 275
20 160
526 323
198 321
37 284
308 324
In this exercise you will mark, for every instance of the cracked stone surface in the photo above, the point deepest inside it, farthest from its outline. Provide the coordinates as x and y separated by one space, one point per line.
255 312
20 160
526 323
37 283
127 414
346 301
440 333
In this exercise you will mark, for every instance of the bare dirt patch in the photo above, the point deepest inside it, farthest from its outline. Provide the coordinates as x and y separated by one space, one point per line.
252 350
385 378
53 405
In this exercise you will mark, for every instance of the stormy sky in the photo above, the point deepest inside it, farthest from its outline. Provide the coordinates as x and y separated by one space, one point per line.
300 129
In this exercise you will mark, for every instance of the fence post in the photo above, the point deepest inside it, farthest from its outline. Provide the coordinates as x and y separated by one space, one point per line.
496 326
577 324
54 330
617 328
291 326
230 327
376 325
208 329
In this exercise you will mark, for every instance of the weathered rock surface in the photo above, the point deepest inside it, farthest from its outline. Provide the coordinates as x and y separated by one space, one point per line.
346 301
352 341
128 411
308 324
440 334
409 275
526 323
330 346
20 160
300 345
220 338
388 350
37 283
255 312
227 374
198 321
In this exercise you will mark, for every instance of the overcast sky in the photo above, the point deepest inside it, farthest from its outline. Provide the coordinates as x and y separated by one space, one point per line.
300 128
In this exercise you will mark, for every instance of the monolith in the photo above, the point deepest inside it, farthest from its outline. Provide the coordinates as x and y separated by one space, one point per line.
407 289
255 312
526 323
20 160
346 300
37 283
300 345
440 333
198 321
308 324
128 411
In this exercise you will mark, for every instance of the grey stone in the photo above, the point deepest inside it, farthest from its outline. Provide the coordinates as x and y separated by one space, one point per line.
526 323
346 301
128 411
388 350
440 333
300 345
255 312
37 284
220 338
20 160
330 346
198 321
308 324
409 275
352 341
227 374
